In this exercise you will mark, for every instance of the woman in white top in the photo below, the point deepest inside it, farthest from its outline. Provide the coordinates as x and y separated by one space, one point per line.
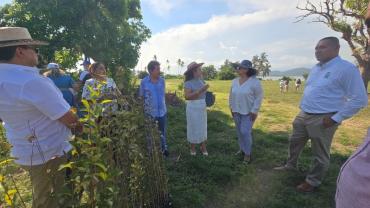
196 109
106 87
245 100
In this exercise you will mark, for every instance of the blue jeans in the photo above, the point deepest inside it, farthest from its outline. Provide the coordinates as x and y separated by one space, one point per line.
162 124
244 125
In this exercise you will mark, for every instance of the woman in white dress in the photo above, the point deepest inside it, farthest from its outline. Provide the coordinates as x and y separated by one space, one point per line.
245 100
196 109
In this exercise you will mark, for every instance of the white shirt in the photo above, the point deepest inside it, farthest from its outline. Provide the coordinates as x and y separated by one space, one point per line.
247 97
335 86
30 104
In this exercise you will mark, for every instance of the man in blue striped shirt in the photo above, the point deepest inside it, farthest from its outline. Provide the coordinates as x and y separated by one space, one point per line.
152 89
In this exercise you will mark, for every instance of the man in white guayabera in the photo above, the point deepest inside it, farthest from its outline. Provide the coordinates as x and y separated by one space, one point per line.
334 92
37 120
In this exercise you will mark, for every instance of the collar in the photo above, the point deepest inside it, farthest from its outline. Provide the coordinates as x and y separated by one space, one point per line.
148 79
19 68
329 63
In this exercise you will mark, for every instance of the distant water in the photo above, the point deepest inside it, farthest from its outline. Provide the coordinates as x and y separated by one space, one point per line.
279 77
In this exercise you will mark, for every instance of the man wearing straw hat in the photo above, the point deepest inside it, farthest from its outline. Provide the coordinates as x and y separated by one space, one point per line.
37 120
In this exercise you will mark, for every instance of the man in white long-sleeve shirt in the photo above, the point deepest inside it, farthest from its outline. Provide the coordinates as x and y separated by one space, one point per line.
37 120
334 92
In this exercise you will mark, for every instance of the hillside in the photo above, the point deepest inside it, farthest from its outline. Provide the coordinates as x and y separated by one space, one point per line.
291 72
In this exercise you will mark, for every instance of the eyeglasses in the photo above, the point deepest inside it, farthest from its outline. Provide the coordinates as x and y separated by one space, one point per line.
36 50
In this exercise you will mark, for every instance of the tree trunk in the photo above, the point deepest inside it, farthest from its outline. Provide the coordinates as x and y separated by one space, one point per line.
365 73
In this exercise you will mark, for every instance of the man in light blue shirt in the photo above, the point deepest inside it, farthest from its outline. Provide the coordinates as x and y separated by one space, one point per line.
152 89
334 92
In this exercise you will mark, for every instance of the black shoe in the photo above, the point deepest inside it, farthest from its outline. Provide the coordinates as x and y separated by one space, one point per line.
166 153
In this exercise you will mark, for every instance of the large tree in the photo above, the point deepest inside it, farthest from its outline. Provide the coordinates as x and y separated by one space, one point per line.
209 72
348 18
107 31
227 71
262 64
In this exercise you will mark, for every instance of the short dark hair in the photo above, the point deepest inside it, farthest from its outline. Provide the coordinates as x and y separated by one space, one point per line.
333 40
7 53
152 65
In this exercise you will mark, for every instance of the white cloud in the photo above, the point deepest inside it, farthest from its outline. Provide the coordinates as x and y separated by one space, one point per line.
161 7
227 48
241 35
184 41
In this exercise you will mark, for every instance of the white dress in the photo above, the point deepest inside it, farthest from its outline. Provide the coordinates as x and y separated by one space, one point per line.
196 114
196 121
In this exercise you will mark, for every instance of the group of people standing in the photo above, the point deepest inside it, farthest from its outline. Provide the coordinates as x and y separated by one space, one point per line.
37 113
93 77
284 85
334 91
245 99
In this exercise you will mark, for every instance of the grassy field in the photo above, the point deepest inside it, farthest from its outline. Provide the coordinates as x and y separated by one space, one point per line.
221 180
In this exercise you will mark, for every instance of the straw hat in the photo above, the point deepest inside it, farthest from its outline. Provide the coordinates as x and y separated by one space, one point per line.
15 36
193 65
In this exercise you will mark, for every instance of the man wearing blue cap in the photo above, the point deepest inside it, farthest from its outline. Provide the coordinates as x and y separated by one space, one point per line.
85 75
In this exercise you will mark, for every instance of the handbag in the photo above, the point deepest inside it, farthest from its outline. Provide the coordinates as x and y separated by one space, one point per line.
210 99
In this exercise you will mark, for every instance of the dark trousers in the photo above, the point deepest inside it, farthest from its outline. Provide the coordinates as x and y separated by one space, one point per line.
162 124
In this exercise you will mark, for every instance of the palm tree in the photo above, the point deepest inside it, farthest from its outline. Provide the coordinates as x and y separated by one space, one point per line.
180 63
168 66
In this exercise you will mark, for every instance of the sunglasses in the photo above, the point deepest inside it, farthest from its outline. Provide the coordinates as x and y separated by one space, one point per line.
36 50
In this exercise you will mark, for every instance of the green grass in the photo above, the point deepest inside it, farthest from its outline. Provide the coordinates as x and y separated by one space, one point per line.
221 180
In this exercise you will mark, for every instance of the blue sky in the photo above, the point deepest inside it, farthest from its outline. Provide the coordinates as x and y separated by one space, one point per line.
211 31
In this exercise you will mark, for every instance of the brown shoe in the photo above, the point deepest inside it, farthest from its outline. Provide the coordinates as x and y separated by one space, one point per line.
247 159
305 188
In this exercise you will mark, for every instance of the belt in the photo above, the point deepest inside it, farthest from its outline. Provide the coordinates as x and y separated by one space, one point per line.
319 114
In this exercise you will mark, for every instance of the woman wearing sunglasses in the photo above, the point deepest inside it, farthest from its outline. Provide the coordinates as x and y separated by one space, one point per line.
245 100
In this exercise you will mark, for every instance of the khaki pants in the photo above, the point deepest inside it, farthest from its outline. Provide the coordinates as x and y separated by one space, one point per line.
311 127
47 182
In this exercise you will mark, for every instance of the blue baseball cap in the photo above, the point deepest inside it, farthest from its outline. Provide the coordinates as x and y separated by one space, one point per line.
86 62
245 64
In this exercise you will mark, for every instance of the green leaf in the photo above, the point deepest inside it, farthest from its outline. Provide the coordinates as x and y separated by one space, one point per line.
67 165
86 104
6 162
102 166
106 101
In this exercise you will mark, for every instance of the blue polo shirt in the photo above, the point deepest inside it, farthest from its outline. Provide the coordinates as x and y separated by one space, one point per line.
154 96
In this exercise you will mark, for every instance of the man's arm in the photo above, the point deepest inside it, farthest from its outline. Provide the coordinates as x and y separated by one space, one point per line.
70 119
48 99
356 95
